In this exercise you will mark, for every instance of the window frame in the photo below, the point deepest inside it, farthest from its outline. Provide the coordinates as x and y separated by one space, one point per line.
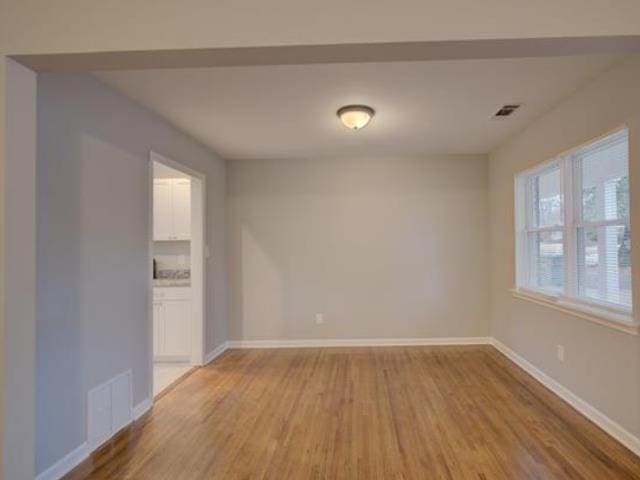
572 220
528 223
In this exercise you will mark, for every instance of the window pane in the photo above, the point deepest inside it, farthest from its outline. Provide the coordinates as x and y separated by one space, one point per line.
604 173
604 264
546 193
546 260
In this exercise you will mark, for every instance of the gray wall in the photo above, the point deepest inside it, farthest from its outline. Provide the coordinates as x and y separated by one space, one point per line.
602 365
92 241
384 248
18 399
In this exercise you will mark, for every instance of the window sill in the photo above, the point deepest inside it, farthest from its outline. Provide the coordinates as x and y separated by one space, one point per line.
618 321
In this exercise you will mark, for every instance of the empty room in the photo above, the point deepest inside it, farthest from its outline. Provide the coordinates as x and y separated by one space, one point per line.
313 255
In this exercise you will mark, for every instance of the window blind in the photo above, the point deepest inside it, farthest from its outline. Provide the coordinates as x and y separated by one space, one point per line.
603 236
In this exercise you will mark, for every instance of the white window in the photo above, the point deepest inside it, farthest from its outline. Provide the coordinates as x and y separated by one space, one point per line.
572 225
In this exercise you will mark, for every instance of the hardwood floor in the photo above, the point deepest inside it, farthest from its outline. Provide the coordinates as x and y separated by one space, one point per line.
361 413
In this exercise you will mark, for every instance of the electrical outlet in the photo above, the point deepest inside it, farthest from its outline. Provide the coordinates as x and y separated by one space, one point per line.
560 352
319 319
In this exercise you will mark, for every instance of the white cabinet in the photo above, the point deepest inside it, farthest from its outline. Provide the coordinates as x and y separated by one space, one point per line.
172 209
171 323
162 221
177 331
157 324
181 208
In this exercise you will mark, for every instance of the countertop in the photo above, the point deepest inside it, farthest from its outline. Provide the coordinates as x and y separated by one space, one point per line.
172 282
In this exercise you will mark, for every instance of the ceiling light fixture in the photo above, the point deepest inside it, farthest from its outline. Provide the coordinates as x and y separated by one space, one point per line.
355 117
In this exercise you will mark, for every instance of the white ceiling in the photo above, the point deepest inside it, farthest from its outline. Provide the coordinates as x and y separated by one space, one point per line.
422 107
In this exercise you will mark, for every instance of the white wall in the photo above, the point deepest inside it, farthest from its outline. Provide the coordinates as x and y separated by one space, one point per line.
92 240
384 248
602 365
70 26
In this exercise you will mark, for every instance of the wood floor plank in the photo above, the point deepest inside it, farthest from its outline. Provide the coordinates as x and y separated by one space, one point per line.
361 413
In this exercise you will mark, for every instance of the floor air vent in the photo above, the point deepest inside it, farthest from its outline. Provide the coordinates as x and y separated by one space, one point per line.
109 408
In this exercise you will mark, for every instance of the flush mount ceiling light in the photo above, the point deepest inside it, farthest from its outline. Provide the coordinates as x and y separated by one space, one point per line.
355 117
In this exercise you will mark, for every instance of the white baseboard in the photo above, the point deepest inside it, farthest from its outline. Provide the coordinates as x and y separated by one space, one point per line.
142 408
596 416
66 463
216 352
358 342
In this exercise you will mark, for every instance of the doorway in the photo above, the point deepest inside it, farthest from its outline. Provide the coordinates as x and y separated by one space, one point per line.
177 271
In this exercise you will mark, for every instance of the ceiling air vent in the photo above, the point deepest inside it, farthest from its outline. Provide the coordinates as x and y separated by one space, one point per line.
506 110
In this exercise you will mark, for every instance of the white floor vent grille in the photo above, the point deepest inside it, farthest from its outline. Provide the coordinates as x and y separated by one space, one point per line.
110 408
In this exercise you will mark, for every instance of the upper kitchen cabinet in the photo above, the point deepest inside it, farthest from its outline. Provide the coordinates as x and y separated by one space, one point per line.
162 210
172 209
181 208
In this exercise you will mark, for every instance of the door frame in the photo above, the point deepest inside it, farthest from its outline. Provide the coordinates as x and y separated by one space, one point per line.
198 256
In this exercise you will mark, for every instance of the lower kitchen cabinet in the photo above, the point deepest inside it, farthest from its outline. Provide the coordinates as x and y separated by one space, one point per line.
171 324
